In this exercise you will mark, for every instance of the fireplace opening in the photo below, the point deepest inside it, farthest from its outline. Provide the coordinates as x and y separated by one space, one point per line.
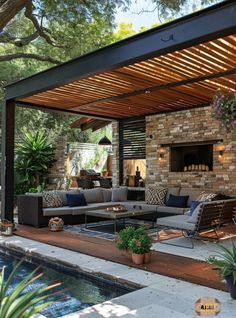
191 158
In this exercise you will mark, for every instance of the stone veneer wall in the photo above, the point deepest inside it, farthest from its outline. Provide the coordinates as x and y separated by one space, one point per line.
115 150
58 170
190 126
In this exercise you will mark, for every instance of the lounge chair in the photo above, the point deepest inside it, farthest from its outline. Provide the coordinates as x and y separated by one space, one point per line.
211 216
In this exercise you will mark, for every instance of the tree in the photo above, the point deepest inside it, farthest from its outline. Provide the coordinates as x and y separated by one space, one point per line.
36 34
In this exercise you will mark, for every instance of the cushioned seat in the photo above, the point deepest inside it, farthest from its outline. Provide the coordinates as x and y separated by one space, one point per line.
139 205
77 210
62 210
177 222
171 209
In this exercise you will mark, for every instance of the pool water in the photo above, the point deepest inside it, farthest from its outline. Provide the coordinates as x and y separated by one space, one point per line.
77 292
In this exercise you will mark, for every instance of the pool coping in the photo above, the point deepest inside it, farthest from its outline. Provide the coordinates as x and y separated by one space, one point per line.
149 283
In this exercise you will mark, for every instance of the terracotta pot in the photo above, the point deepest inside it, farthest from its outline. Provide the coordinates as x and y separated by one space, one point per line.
105 173
231 286
127 254
147 257
137 259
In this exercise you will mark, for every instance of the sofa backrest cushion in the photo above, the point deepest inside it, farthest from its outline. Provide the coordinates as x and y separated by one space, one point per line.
194 217
119 194
174 191
76 199
193 195
156 195
93 195
106 195
179 201
62 194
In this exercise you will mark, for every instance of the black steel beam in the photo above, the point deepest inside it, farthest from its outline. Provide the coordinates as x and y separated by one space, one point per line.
7 162
202 26
59 110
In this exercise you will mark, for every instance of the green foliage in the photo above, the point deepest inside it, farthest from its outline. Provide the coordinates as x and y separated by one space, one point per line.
34 157
225 261
134 239
125 237
20 304
224 107
39 188
141 243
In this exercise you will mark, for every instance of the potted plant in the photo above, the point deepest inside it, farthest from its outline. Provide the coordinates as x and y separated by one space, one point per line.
225 261
124 238
140 246
104 173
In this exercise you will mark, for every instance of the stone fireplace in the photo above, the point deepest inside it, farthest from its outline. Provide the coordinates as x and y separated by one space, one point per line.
191 157
197 129
202 139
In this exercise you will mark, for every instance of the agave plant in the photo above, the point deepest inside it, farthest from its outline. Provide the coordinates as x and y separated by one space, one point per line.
18 303
225 261
34 157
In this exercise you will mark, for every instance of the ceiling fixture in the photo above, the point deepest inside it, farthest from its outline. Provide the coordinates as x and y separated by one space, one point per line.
104 141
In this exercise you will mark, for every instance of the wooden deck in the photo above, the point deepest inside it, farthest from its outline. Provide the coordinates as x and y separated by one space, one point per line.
183 268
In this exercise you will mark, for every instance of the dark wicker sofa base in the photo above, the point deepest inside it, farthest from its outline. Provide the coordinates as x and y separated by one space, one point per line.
30 213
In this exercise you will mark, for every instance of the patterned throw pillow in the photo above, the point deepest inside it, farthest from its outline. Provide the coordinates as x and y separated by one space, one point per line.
156 195
51 200
206 196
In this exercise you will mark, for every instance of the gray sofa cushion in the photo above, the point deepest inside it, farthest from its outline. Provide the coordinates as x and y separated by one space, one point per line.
174 191
92 206
119 194
193 195
93 195
176 222
62 194
170 209
106 195
139 205
63 210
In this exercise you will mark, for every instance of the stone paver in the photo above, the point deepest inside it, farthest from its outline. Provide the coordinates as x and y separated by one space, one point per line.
161 295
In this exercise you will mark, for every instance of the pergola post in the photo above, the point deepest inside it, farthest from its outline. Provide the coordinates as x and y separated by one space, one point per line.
7 164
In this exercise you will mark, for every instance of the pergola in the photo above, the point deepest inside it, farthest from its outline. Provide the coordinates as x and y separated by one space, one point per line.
176 66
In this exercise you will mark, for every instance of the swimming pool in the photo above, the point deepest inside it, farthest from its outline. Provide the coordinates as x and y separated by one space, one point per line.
78 291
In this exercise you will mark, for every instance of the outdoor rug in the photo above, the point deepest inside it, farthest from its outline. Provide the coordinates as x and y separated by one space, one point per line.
105 229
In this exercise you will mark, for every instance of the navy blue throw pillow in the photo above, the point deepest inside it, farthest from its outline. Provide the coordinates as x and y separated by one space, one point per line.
74 199
178 201
193 206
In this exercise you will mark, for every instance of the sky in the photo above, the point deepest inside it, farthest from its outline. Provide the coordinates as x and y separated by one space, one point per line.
135 16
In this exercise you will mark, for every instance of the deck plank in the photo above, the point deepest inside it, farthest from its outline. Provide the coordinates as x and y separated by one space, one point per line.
184 268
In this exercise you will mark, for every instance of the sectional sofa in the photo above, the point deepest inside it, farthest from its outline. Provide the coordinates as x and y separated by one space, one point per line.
32 212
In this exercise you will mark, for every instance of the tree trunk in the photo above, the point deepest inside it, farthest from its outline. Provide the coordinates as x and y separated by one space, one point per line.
9 9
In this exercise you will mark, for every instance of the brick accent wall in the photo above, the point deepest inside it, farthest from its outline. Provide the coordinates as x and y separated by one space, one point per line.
190 126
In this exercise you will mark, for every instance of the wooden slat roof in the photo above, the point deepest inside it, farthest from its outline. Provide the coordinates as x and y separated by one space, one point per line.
180 79
87 123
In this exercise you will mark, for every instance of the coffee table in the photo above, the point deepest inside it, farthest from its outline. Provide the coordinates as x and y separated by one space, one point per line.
112 215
